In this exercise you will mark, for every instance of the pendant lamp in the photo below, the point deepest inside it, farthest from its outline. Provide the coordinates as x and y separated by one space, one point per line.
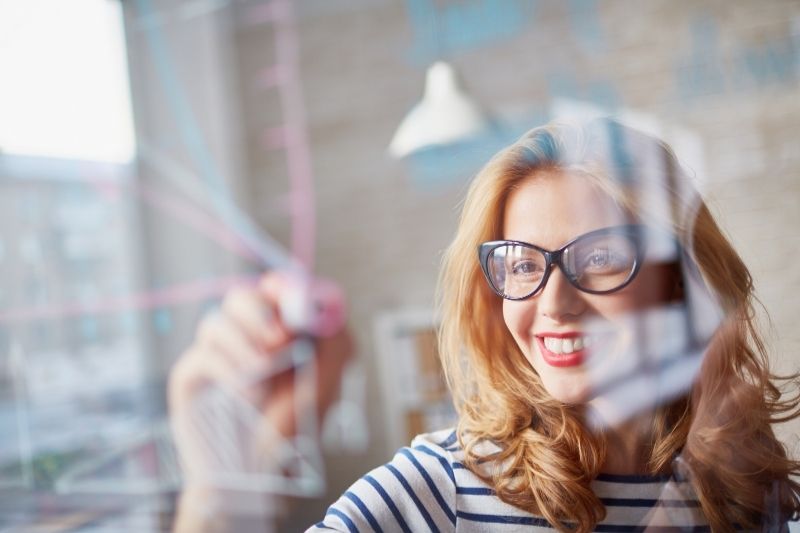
446 114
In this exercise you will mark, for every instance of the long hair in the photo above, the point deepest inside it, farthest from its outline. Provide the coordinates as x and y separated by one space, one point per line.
548 453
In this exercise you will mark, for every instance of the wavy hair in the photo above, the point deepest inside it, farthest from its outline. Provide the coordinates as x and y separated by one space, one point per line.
720 428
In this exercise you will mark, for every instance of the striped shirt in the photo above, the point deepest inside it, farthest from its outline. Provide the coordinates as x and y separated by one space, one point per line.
427 488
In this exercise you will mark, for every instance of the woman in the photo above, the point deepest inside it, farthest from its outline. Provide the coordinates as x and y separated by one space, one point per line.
542 435
599 340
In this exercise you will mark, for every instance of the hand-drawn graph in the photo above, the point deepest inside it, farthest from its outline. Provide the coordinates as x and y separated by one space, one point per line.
195 195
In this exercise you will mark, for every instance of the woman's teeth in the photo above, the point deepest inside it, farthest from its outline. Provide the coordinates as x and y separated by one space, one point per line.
564 346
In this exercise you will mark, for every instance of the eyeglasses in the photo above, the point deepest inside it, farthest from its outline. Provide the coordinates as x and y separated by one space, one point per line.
598 262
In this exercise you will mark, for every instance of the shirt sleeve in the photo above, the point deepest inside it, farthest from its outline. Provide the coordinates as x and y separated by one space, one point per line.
415 491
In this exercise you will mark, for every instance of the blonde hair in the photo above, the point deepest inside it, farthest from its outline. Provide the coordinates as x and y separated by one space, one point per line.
549 455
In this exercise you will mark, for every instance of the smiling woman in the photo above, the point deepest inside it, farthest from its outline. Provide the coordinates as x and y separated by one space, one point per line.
545 371
602 354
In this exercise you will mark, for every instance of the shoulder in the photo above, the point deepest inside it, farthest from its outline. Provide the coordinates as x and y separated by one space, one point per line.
440 447
416 490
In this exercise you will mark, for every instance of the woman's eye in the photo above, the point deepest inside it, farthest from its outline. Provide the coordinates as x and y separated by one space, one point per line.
598 259
604 260
523 268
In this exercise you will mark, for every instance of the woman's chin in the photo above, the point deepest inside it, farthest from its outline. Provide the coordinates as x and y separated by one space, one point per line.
569 393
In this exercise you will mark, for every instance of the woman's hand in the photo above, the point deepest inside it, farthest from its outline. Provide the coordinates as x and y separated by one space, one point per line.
235 393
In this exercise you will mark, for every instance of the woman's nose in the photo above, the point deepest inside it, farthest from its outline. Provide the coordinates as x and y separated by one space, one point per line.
559 300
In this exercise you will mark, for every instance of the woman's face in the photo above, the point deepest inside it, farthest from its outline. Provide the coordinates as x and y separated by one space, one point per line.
553 327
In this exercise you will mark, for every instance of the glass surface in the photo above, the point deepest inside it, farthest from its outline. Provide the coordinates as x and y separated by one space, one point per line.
261 129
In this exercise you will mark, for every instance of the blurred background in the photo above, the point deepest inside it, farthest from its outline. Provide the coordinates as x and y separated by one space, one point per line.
153 153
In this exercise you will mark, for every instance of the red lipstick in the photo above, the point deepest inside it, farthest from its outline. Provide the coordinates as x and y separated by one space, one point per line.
561 360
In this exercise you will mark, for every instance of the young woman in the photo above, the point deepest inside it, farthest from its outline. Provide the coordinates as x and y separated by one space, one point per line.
598 336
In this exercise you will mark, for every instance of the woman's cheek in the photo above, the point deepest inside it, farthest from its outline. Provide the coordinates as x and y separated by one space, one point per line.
517 319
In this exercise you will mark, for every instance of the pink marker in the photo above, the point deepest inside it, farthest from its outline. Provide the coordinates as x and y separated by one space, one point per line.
312 306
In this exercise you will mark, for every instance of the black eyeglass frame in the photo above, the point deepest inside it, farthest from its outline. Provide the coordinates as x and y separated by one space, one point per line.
633 231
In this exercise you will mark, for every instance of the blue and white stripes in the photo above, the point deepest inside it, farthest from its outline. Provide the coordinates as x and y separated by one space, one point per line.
426 488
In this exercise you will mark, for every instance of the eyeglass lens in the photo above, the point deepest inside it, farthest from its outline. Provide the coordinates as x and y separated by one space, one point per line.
598 263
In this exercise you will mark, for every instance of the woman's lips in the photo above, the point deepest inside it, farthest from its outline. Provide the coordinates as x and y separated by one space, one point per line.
575 356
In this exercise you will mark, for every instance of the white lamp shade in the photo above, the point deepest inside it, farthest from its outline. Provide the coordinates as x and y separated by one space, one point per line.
445 115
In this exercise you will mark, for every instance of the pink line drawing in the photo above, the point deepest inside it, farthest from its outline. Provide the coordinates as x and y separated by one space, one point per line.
269 11
277 138
298 152
205 223
272 77
191 291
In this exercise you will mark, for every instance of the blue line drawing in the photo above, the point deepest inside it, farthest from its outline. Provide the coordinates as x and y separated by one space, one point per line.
446 30
707 70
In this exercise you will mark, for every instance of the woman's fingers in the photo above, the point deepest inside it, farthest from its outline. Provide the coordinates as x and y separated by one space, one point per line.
237 343
196 371
257 316
241 348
